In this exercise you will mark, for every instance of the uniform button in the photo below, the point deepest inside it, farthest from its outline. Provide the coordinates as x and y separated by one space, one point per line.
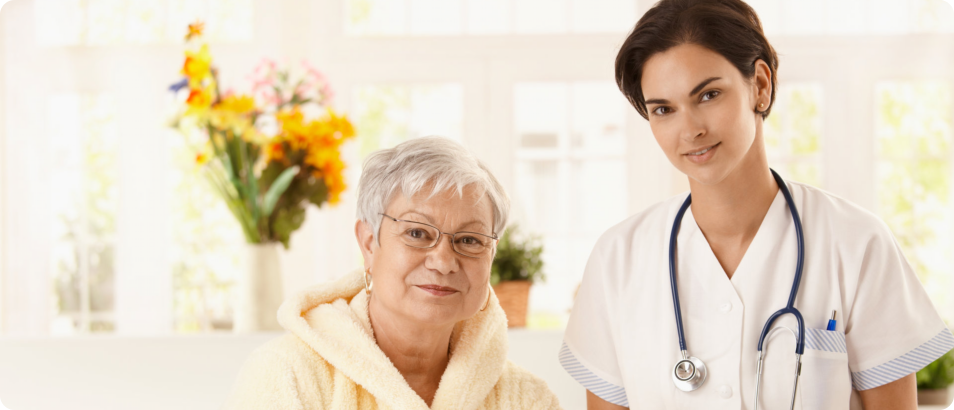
725 391
726 307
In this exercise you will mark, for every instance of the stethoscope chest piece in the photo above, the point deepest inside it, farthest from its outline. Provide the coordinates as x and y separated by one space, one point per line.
689 374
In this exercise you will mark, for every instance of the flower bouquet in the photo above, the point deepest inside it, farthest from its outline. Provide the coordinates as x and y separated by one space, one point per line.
260 152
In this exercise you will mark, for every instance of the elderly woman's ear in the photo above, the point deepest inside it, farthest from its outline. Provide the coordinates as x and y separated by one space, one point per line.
364 233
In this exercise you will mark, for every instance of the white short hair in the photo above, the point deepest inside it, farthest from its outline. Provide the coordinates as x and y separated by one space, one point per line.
411 166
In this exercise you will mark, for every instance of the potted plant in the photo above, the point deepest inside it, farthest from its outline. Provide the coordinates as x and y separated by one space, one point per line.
935 380
517 265
265 158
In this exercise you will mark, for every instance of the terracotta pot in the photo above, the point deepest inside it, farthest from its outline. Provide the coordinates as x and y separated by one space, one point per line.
940 397
260 291
513 299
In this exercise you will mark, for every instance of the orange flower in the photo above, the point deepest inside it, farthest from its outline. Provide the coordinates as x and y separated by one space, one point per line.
195 30
275 152
199 99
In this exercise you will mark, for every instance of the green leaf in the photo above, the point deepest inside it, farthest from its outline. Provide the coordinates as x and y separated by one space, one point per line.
287 221
517 259
320 193
277 189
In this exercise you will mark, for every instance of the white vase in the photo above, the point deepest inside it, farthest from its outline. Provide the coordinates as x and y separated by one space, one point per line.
259 289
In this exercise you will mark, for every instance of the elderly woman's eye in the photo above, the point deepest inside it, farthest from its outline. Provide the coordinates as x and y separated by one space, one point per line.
470 240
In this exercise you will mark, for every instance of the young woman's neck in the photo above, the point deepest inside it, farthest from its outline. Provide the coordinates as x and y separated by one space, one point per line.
733 209
420 352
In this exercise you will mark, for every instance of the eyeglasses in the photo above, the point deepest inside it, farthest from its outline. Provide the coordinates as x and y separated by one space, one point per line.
425 236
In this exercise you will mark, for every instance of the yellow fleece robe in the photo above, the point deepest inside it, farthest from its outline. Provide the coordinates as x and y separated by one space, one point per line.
330 360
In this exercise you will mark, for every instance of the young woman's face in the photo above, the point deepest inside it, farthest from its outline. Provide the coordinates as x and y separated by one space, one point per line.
702 111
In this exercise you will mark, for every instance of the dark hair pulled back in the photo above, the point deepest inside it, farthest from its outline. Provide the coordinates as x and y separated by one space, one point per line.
728 27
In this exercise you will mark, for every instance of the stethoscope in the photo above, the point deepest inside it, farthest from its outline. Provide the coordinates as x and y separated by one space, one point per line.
689 373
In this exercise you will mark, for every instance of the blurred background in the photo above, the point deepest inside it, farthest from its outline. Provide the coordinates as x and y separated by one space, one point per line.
106 229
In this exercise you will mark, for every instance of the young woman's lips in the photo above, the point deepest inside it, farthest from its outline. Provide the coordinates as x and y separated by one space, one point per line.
437 290
702 158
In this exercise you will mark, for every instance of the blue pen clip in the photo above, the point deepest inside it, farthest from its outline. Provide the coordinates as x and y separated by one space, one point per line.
831 322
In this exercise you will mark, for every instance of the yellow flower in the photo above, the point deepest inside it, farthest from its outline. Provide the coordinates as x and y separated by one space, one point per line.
201 158
198 65
238 104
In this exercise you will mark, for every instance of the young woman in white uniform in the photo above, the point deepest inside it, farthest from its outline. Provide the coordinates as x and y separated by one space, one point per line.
703 74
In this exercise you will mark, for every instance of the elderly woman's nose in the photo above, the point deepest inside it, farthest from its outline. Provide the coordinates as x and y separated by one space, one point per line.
442 256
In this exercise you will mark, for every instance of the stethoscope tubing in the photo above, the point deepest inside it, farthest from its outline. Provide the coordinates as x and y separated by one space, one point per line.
790 306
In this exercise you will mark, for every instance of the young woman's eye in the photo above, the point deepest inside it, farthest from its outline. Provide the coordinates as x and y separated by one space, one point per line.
662 110
708 95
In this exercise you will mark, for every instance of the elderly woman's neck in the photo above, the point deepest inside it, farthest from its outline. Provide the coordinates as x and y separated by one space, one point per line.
420 351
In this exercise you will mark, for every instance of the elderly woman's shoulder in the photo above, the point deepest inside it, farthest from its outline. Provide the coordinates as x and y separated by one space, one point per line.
518 388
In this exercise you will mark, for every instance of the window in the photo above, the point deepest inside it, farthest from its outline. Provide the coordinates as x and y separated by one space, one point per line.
483 17
84 203
113 22
914 133
387 115
792 133
854 17
571 180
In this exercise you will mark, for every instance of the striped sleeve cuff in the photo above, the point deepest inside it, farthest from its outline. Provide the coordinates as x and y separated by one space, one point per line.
909 363
604 389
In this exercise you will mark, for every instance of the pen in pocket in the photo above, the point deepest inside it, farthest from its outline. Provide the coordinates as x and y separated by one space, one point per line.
831 322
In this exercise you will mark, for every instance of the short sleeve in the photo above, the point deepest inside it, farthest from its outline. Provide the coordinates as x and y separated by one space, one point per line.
589 344
892 329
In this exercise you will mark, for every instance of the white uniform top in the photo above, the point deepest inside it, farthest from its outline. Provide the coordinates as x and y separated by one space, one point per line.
621 341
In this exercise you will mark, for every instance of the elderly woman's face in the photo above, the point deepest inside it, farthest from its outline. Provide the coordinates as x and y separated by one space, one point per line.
435 285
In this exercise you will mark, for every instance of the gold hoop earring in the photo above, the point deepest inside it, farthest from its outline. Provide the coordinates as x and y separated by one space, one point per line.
487 302
368 283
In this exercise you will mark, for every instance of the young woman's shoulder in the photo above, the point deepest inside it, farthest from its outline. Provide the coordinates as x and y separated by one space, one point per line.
826 213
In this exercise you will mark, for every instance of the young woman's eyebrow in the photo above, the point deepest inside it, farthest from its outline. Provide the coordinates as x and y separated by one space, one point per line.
702 85
691 93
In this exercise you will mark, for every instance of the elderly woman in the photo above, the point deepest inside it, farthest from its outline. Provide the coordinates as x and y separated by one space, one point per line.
420 327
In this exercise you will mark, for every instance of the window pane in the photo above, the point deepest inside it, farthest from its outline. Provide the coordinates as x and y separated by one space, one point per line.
387 115
914 132
114 22
488 16
375 17
571 180
85 199
59 22
540 110
597 110
106 21
853 17
595 16
793 133
436 17
540 16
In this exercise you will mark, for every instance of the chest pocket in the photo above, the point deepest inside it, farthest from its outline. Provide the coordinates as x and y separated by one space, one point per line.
826 381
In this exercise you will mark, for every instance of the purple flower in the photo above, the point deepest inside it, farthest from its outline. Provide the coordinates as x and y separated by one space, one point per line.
179 85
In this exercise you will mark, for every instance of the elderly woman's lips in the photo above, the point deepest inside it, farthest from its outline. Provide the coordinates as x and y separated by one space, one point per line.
438 290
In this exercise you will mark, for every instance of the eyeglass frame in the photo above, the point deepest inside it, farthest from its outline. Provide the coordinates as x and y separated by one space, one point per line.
440 233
